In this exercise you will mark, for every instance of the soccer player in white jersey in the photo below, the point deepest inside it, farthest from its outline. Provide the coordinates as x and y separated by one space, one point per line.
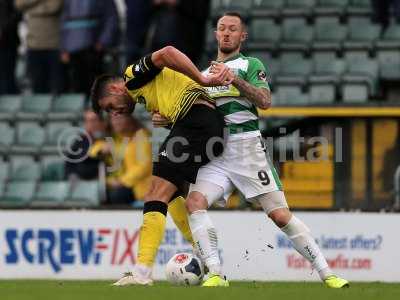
244 164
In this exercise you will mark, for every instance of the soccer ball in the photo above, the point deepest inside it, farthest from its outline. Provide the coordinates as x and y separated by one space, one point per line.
184 269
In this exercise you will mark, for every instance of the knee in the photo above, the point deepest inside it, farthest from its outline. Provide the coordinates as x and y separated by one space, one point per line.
196 201
160 190
280 216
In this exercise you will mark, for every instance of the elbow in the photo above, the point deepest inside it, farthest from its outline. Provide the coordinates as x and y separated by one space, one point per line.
161 57
265 102
265 105
167 52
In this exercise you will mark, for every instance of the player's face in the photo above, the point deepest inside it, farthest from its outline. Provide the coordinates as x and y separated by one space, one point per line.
230 34
117 102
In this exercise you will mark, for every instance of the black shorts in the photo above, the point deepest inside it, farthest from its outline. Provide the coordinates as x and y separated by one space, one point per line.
192 142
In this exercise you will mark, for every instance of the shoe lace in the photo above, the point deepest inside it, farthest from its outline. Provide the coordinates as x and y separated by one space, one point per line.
126 274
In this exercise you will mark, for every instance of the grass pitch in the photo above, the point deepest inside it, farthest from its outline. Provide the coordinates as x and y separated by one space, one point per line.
99 290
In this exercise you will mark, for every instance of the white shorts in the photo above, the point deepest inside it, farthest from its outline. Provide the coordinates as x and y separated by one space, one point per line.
243 165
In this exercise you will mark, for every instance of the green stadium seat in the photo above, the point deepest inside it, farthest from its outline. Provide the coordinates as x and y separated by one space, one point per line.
54 130
84 194
292 56
30 137
51 194
360 81
215 4
354 92
362 72
331 7
325 79
361 21
35 107
362 37
210 37
52 168
296 38
264 56
294 72
273 68
267 8
2 187
7 134
264 34
9 105
359 8
295 8
24 168
329 36
391 37
368 67
67 107
389 64
328 64
322 92
356 55
290 95
4 171
327 20
17 194
241 6
388 53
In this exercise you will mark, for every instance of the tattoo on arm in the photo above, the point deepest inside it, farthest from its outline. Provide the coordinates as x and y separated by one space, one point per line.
259 96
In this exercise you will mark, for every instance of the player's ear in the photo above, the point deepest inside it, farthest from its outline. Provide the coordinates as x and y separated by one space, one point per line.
244 36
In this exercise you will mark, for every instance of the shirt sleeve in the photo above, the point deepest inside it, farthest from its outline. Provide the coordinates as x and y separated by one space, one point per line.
140 73
256 74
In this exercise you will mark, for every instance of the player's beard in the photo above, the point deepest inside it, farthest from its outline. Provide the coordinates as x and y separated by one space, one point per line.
229 50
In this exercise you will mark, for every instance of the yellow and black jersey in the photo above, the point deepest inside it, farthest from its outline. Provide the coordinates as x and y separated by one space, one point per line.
162 90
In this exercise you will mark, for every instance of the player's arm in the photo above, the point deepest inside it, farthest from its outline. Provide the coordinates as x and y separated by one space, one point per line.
261 97
23 5
255 88
174 59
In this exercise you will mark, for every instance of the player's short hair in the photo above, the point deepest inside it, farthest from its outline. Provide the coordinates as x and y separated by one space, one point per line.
98 90
236 14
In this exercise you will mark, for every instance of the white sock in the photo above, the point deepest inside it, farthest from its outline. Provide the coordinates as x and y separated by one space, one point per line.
205 237
305 244
142 270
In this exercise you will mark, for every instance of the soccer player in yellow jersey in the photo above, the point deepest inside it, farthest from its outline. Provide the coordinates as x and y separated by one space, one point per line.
169 84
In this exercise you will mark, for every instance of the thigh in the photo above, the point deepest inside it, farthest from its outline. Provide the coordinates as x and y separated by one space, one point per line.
249 168
212 191
214 183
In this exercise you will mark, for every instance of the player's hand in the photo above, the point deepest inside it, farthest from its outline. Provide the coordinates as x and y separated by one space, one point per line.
219 75
217 67
159 121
